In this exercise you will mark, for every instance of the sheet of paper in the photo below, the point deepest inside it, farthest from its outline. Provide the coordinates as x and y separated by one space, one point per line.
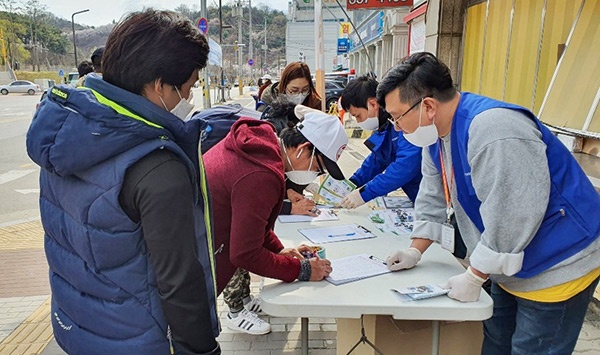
416 293
397 202
325 215
398 221
334 191
336 233
356 267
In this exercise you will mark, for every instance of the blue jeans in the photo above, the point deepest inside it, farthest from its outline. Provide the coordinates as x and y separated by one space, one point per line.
523 327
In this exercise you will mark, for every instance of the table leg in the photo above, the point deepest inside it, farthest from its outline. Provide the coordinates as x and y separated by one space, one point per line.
435 346
304 335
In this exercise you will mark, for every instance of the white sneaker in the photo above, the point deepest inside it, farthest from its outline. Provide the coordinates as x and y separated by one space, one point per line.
247 322
254 305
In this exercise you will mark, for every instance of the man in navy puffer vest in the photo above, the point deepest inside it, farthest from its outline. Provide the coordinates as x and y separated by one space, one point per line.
124 200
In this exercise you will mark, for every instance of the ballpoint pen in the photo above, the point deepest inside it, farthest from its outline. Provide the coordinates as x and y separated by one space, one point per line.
341 235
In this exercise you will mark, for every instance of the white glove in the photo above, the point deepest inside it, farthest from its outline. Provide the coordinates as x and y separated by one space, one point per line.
301 110
465 287
313 188
403 259
353 200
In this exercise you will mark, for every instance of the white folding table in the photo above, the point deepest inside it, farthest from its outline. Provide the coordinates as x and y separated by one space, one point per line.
370 296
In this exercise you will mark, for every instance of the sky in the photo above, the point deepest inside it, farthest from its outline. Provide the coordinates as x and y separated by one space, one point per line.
103 12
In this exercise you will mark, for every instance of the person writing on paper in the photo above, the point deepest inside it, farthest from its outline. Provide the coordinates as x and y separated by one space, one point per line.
393 163
526 210
246 172
282 115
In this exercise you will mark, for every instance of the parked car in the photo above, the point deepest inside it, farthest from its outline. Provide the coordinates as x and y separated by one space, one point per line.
72 78
333 91
20 86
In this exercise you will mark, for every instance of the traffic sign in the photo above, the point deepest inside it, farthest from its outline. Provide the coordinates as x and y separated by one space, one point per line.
250 62
203 25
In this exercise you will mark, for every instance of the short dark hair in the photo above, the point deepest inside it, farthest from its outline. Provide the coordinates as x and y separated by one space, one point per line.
358 92
281 114
291 137
419 75
151 45
84 68
97 59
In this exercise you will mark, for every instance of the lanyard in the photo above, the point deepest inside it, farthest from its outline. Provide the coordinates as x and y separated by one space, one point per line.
447 188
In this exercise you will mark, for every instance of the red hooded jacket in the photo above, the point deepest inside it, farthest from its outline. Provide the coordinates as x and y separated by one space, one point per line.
245 175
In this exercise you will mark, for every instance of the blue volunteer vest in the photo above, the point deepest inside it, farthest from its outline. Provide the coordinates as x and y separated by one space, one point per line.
97 256
571 220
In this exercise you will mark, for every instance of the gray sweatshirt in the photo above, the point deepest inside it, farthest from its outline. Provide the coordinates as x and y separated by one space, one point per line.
509 171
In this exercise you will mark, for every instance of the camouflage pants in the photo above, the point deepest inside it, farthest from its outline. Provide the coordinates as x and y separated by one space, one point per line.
236 290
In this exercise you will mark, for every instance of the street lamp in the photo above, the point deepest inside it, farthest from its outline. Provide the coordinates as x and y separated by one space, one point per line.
73 26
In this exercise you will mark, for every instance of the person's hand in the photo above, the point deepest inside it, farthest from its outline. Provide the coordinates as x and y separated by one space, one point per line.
291 253
301 110
319 269
304 248
353 200
305 207
403 259
294 196
465 287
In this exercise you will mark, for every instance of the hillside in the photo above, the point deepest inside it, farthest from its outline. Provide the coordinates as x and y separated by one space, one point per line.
38 40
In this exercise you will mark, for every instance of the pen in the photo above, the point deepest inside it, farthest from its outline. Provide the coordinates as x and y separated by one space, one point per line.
341 235
373 257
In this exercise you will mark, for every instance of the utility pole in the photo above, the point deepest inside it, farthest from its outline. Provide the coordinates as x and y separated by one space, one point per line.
74 39
265 45
319 58
205 88
238 12
250 49
222 83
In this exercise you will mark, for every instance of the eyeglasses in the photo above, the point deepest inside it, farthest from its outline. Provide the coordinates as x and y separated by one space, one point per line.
396 120
295 91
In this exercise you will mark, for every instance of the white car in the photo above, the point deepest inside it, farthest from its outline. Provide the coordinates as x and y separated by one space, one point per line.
20 86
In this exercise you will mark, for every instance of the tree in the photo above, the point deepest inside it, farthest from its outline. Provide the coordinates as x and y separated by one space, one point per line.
9 6
35 11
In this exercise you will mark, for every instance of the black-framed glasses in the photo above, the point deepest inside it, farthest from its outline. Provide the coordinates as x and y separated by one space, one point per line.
395 121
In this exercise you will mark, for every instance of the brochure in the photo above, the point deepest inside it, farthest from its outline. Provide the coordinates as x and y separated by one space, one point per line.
416 293
333 191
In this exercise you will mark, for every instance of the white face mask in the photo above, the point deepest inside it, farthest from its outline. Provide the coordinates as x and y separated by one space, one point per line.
423 136
370 124
297 99
183 107
301 177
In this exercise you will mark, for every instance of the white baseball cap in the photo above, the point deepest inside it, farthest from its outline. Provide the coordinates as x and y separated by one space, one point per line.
328 136
266 77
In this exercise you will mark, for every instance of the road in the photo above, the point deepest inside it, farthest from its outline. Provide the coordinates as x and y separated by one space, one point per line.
19 185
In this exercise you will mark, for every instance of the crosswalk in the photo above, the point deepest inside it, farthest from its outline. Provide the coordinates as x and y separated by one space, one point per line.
13 175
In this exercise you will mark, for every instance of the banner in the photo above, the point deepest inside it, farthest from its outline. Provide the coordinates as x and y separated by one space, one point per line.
377 4
215 56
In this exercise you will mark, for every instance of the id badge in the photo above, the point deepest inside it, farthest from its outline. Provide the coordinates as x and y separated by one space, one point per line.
448 237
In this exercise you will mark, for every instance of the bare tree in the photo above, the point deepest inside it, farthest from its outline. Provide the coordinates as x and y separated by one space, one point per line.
35 10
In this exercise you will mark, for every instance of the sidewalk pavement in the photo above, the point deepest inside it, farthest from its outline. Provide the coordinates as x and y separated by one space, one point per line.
25 297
